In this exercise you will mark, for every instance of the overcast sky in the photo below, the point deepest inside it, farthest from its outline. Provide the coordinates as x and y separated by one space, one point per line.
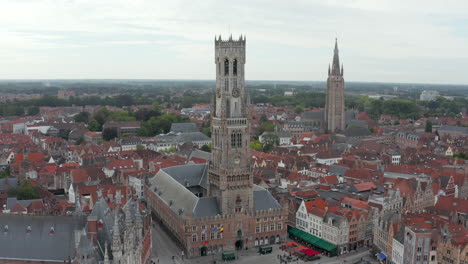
421 41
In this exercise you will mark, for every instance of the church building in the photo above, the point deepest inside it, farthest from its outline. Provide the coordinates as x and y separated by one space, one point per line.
215 207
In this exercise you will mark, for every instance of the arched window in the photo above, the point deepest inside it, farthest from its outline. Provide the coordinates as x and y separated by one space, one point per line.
239 139
233 140
234 67
226 67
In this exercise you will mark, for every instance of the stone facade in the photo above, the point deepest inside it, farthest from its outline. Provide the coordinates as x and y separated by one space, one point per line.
230 179
451 252
215 207
418 245
334 103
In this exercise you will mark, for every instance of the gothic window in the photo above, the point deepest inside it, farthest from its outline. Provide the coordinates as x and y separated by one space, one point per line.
226 85
233 140
234 83
226 67
236 139
234 67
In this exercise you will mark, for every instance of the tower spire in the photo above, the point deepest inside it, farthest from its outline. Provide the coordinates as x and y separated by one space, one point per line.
336 60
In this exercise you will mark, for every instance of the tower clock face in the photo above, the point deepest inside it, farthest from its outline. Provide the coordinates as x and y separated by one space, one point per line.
236 92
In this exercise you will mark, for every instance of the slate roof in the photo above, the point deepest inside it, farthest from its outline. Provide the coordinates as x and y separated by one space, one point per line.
184 127
183 137
11 201
206 207
463 130
170 190
39 244
263 200
356 123
170 184
196 153
193 136
357 132
313 115
337 170
12 183
189 175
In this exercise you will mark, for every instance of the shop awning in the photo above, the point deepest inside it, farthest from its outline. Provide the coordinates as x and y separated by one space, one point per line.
229 256
311 239
382 256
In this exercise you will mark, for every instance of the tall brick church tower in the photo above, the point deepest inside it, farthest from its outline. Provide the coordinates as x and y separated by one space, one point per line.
334 103
230 178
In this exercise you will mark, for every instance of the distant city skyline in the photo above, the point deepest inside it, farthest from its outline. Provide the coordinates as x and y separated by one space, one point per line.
380 41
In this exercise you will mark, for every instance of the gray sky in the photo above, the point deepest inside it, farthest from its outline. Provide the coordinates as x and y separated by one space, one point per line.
423 41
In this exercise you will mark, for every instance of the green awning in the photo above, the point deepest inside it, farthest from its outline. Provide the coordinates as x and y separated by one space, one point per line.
229 256
311 239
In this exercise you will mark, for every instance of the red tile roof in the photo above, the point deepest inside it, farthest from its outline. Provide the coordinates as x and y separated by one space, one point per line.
355 203
452 204
365 186
331 179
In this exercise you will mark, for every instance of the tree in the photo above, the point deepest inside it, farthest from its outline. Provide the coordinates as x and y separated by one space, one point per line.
94 125
169 150
428 126
461 155
266 127
80 141
109 133
5 173
63 133
299 109
25 191
32 111
256 145
270 139
82 117
140 147
206 148
263 118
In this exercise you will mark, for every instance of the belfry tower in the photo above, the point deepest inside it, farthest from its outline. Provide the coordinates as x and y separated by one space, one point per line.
334 103
230 178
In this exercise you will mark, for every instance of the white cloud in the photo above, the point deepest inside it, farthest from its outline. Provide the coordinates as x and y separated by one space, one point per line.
379 40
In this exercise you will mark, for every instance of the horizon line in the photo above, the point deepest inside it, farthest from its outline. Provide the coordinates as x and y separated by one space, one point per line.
162 79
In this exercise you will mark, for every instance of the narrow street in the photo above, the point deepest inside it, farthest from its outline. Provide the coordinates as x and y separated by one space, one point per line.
164 247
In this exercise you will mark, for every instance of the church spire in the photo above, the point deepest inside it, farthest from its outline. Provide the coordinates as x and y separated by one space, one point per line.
336 60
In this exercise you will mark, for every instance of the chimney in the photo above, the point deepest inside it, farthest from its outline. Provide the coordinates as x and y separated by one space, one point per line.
92 228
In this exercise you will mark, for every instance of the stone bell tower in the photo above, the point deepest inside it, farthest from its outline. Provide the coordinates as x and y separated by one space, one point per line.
230 178
334 103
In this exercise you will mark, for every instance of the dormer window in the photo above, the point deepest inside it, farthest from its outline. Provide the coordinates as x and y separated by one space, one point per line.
100 224
28 230
52 230
5 229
